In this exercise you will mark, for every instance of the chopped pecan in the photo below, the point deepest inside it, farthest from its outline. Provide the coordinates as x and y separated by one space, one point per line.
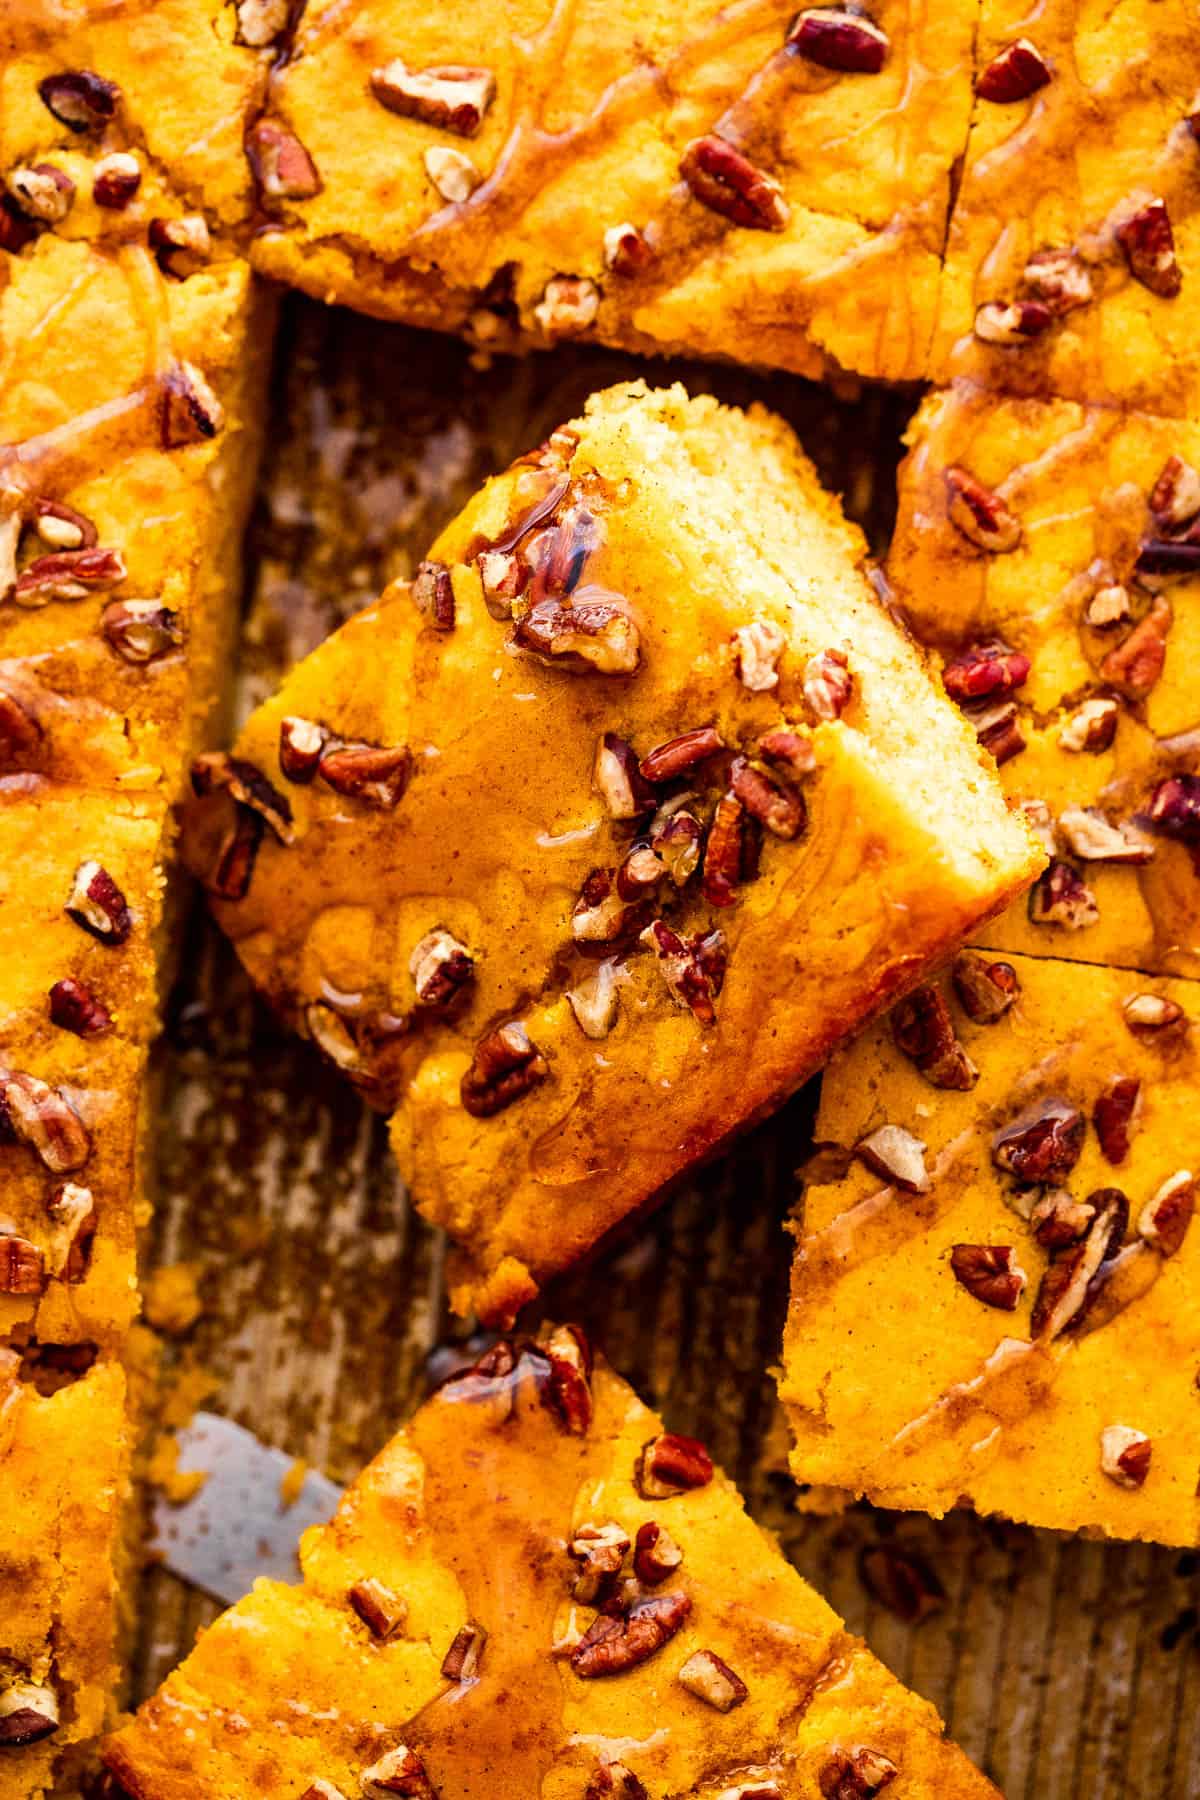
1013 323
757 648
1149 1015
1113 1115
1074 1275
433 594
990 668
381 1610
141 630
677 755
828 685
998 728
924 1031
16 230
1169 556
461 1661
401 1772
441 968
1175 496
677 840
1018 71
261 22
1091 727
43 1118
980 514
897 1156
639 873
42 192
613 1781
181 246
985 989
1165 1218
334 1036
724 852
692 967
1148 241
1091 837
20 733
711 1679
10 537
69 575
612 1645
1060 280
22 1266
900 1580
282 168
600 1550
568 306
1125 1455
74 1007
1041 1144
1057 1220
506 1065
791 750
115 180
80 99
189 410
594 1001
1060 896
216 771
670 1465
302 744
450 97
377 775
727 182
601 915
97 903
1137 661
627 251
1174 808
836 38
753 1790
1109 605
780 809
28 1712
656 1555
570 1357
71 1210
594 635
856 1774
989 1272
229 878
320 1789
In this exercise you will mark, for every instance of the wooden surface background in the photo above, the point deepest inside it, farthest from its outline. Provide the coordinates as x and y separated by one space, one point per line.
1070 1670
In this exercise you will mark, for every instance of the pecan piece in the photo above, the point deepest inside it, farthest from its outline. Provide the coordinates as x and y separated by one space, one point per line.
612 1645
74 1007
461 1661
692 967
43 1118
724 852
980 514
1174 808
506 1065
998 729
1057 1220
1093 838
757 648
381 1610
1091 727
679 754
1169 556
1060 896
140 631
181 246
115 180
1113 1116
568 306
618 778
897 1156
592 635
780 809
656 1555
442 969
613 1781
923 1030
677 840
333 1035
789 749
71 1210
711 1679
989 668
302 744
1108 606
61 527
1165 1218
1148 1015
20 733
189 410
97 903
377 775
1018 71
320 1789
433 594
728 183
28 1713
1137 662
69 575
216 771
22 1265
838 39
1175 496
80 99
1148 241
828 685
594 1001
229 878
627 251
856 1774
401 1772
989 1272
1125 1455
42 192
260 22
570 1357
1042 1144
450 97
900 1580
601 915
16 230
600 1551
670 1465
1059 279
1075 1275
282 168
985 989
1012 323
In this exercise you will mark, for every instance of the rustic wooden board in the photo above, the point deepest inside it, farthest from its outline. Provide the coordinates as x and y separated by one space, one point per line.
1070 1670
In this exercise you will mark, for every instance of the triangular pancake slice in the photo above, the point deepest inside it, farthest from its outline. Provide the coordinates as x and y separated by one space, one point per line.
587 849
535 1590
